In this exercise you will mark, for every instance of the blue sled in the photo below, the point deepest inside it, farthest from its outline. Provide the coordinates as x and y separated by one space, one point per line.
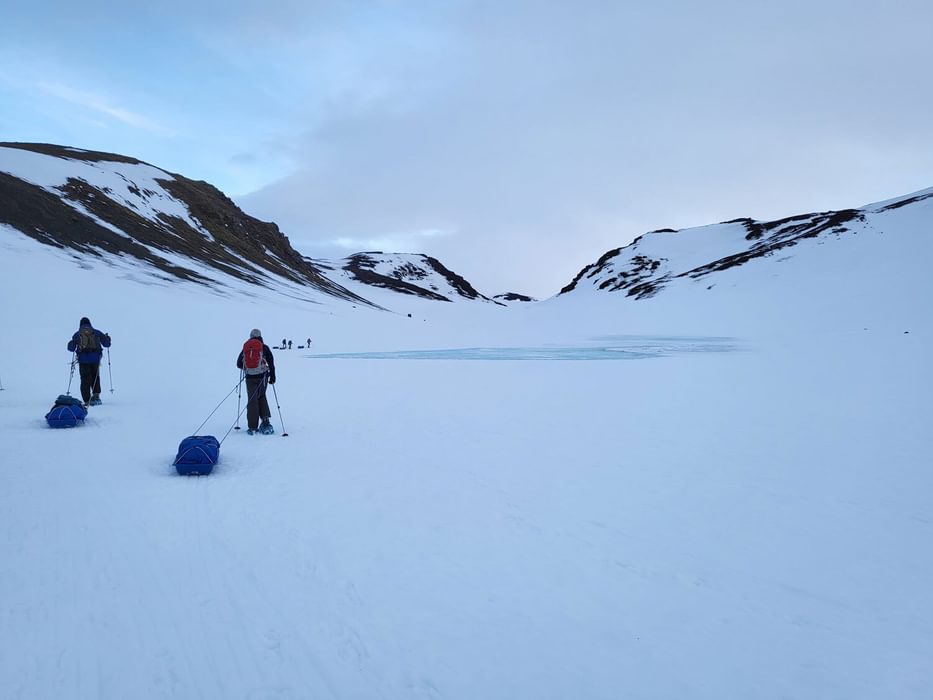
197 455
66 413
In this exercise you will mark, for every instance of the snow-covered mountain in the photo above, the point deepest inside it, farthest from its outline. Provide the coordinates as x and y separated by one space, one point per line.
513 297
117 210
695 256
113 208
406 273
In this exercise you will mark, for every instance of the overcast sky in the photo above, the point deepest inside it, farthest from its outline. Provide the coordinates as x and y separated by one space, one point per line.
515 141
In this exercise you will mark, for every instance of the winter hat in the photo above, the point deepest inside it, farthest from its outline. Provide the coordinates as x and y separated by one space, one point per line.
85 321
255 333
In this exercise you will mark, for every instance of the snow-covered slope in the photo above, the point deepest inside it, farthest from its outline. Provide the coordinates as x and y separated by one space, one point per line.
663 258
858 271
115 208
112 207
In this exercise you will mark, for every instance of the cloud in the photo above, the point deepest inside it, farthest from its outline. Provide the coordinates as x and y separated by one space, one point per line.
542 134
434 233
244 159
96 103
405 242
546 134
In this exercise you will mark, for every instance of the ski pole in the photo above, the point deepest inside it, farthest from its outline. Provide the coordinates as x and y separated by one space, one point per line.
279 408
74 360
109 370
238 392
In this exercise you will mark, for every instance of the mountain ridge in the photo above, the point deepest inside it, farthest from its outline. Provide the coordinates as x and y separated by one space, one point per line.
138 210
654 260
104 204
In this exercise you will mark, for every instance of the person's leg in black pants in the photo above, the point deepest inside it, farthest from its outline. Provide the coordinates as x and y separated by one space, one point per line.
256 405
90 378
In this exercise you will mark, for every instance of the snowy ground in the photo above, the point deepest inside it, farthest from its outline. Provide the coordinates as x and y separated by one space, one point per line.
753 522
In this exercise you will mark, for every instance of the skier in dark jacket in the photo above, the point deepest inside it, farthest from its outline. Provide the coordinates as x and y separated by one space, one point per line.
88 344
257 363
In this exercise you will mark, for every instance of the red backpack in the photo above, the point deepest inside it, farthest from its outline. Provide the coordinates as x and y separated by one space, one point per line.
254 360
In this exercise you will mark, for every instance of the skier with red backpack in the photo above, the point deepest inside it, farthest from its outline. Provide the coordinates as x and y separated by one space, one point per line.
258 365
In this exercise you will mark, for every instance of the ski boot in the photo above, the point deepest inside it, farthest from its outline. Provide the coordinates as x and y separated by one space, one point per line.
266 427
95 400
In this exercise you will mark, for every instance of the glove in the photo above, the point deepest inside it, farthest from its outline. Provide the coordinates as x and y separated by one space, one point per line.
272 381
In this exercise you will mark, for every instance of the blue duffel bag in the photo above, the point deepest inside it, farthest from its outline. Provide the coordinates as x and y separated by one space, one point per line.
197 455
66 413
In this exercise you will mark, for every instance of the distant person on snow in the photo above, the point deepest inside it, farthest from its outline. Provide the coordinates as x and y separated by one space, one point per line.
289 345
284 343
88 344
257 363
309 343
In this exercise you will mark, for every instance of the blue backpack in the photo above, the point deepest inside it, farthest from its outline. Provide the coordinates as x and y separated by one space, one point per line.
66 413
197 455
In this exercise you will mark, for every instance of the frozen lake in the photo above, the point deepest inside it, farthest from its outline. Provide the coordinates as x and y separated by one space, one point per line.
611 347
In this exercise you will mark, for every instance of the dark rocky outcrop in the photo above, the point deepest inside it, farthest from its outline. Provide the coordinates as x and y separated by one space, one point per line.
406 275
513 296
